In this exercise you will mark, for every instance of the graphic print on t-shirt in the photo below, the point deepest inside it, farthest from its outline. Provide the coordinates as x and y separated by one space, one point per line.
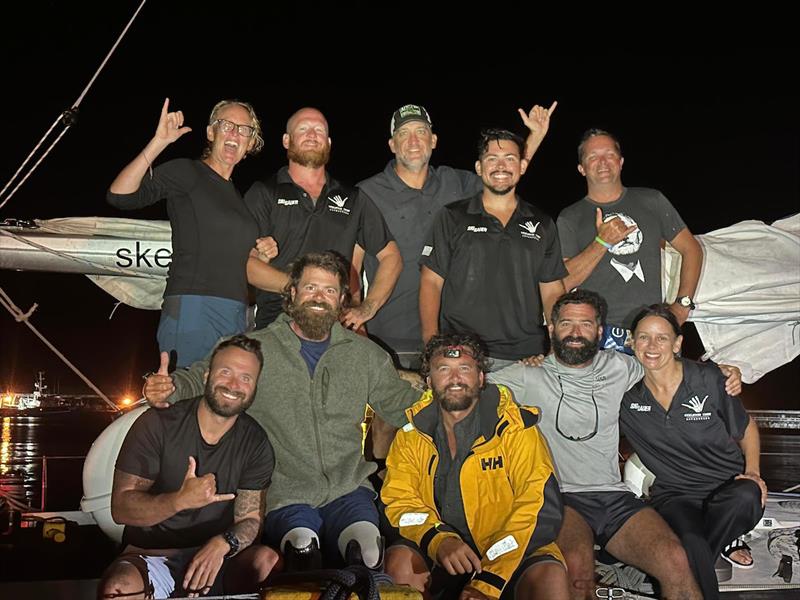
629 245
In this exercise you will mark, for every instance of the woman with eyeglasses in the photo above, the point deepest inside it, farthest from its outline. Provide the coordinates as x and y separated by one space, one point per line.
213 232
699 442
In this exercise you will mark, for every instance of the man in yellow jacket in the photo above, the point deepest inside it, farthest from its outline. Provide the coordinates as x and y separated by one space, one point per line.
471 488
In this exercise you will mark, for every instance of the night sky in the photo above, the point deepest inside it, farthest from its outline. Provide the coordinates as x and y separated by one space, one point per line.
717 133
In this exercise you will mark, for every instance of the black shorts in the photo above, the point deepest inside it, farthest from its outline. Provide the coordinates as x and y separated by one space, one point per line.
605 512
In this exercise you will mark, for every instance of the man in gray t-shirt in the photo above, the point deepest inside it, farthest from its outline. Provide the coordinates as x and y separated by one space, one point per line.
578 391
611 240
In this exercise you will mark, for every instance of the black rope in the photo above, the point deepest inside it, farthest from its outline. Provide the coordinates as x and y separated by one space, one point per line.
356 579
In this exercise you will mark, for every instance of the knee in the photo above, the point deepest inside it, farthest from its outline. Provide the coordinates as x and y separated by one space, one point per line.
543 580
120 578
406 567
265 560
748 494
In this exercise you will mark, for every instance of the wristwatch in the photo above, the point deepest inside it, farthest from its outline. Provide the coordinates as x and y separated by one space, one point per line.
233 542
686 301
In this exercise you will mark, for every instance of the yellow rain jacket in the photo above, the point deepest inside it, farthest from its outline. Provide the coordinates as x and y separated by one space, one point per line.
509 488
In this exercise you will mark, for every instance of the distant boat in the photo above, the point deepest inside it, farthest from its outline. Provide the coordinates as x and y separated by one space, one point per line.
39 402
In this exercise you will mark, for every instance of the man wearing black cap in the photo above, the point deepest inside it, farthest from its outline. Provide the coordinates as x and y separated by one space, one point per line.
303 209
409 192
492 262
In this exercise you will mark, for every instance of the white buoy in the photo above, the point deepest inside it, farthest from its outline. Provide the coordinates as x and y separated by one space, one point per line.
98 473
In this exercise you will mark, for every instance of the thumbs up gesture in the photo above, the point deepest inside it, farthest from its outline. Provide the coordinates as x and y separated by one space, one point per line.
197 492
158 386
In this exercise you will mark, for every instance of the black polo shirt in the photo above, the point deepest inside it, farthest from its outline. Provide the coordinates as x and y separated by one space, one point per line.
492 274
340 218
691 448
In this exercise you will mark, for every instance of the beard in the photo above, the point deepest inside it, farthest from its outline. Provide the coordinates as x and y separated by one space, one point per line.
315 325
456 400
223 408
313 159
499 191
575 356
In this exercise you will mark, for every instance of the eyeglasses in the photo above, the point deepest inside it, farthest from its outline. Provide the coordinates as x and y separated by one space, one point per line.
581 438
227 126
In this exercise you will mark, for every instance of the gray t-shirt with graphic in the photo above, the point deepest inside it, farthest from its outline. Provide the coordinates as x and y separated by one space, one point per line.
629 274
566 393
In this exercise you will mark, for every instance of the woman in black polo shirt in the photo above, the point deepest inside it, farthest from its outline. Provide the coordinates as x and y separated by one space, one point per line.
699 442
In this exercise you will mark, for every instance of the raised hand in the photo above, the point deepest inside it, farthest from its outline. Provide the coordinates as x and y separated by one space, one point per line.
170 125
538 119
197 492
158 386
612 231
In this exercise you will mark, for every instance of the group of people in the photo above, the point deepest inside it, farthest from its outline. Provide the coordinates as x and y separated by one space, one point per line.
504 474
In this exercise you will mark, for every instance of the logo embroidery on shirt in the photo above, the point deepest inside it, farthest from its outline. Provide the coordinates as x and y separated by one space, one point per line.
475 229
286 202
640 407
696 405
337 204
492 463
529 230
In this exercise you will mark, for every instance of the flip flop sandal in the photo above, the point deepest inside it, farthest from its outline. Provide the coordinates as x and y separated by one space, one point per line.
737 544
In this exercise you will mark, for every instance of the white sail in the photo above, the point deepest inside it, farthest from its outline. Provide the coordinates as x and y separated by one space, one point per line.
128 258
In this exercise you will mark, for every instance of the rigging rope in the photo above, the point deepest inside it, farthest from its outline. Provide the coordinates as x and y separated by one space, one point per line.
68 118
19 316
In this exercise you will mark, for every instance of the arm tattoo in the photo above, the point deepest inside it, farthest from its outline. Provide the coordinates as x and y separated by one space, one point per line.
248 514
126 481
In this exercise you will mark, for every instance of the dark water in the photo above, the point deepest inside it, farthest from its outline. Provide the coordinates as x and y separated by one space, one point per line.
64 439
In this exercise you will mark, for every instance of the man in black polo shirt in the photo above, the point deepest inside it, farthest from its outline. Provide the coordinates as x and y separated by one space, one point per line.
492 262
303 209
409 192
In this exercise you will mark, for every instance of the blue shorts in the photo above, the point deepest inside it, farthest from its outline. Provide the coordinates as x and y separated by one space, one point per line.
192 325
327 522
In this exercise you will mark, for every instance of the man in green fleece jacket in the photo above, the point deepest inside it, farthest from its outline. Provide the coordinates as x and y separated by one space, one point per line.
317 380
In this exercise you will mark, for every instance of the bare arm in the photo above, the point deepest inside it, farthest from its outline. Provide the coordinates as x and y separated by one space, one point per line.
582 264
390 264
691 264
248 514
550 292
169 129
133 504
265 277
751 448
430 300
538 122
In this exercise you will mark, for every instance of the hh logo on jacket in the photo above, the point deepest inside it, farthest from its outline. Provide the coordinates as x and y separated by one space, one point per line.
491 463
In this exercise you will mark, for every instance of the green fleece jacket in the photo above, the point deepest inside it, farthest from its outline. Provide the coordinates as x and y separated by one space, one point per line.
314 425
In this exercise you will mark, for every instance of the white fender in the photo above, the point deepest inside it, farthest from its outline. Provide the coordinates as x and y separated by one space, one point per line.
98 473
637 477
